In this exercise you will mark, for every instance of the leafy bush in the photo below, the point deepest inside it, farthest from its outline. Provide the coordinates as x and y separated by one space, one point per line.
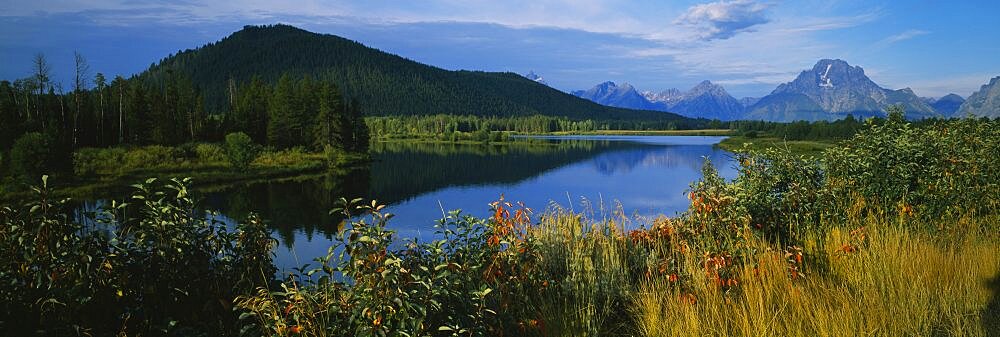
464 284
153 265
241 151
31 156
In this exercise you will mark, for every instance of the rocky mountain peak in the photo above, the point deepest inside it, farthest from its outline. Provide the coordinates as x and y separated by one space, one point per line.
707 87
534 77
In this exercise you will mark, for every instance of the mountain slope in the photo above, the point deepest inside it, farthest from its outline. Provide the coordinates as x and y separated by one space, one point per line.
384 84
786 107
983 103
841 89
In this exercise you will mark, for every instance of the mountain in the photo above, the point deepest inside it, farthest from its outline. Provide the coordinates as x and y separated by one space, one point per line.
705 100
947 105
838 89
983 103
611 94
708 100
747 102
382 83
668 97
534 77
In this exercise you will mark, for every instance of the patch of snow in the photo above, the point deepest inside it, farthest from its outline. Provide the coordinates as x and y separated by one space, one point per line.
825 79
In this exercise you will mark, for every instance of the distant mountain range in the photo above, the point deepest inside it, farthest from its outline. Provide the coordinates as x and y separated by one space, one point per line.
832 89
706 100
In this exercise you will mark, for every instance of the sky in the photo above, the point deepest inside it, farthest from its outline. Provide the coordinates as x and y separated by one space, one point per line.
749 47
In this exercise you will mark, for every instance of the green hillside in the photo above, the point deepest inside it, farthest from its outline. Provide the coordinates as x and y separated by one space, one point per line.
384 84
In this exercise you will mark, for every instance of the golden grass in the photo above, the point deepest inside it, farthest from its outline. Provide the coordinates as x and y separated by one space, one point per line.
899 283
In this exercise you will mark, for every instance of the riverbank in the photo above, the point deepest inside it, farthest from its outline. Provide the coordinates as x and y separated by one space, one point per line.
741 143
702 132
111 170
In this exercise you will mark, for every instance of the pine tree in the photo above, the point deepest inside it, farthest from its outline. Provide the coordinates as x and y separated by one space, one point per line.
327 130
283 128
359 129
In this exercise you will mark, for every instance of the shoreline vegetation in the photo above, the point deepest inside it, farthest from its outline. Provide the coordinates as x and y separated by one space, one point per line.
97 171
894 232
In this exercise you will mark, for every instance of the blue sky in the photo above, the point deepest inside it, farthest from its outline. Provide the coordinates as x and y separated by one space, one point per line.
933 47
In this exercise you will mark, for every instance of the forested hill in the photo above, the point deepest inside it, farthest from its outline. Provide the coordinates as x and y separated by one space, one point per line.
384 84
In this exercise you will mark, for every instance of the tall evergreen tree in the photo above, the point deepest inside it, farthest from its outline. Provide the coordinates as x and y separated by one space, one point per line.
359 130
328 130
308 93
284 129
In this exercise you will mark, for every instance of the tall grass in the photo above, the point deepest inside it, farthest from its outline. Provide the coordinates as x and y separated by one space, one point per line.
897 282
587 262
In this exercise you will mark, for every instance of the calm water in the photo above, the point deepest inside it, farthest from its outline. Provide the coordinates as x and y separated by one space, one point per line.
646 175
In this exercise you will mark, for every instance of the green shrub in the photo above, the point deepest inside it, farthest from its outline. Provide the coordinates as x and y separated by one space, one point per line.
31 156
207 152
151 266
241 151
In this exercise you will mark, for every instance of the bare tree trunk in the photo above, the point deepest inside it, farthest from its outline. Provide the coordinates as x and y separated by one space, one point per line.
41 76
232 94
121 114
79 86
100 124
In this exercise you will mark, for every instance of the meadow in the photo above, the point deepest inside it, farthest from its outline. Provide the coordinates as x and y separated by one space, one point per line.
892 232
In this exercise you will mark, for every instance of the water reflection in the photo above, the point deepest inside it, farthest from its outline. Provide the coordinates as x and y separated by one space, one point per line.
648 175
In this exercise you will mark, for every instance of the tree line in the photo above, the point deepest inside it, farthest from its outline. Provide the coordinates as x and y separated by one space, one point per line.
801 130
49 120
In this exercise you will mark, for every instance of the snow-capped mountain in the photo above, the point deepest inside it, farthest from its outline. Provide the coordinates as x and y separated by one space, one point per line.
705 100
669 96
534 77
611 94
833 89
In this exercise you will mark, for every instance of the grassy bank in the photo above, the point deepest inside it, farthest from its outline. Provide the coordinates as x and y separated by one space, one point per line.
114 169
701 132
741 143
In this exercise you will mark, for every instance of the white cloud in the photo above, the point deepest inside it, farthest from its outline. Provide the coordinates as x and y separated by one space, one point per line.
775 54
909 34
724 19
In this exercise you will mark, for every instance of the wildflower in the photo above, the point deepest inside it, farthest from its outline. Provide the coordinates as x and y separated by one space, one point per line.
295 329
688 298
